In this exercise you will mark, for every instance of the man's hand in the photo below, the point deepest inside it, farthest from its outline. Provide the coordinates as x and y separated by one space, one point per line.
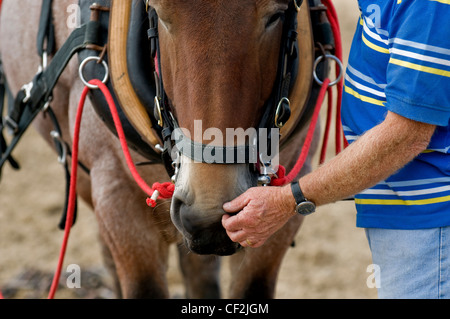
259 213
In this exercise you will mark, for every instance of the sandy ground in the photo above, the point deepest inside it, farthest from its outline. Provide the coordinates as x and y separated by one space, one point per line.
329 260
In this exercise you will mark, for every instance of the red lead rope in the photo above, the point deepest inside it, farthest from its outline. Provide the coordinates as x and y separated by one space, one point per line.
164 190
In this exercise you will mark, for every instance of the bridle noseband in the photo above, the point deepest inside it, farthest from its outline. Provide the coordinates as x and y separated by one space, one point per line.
276 109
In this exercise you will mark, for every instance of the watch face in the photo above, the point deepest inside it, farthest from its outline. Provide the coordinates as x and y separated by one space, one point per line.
306 208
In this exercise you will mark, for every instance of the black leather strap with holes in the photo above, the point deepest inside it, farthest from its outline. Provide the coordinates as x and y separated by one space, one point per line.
297 192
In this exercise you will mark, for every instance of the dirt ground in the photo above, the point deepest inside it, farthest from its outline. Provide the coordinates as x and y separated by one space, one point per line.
329 260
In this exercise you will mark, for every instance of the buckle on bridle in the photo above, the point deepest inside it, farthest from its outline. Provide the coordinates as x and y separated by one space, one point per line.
158 113
267 171
283 112
298 4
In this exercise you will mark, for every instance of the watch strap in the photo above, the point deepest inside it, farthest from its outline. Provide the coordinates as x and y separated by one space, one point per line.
297 192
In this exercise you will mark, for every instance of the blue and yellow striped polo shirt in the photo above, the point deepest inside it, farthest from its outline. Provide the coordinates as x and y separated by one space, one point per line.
400 61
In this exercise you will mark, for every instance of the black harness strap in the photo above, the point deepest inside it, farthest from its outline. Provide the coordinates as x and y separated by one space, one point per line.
46 32
62 150
32 98
4 91
287 71
36 95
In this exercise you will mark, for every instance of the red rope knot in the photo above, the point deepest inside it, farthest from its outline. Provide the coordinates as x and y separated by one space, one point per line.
160 191
281 179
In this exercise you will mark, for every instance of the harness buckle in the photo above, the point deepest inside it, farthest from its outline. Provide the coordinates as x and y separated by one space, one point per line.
298 4
266 170
176 167
283 112
27 90
13 126
158 113
63 153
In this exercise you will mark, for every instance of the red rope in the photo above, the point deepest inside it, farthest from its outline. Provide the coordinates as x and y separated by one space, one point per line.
164 190
326 134
335 27
72 192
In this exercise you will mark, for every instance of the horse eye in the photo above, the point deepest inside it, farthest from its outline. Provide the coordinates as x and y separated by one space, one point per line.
274 19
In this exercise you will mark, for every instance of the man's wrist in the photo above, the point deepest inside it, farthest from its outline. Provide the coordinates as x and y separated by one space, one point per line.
289 199
304 206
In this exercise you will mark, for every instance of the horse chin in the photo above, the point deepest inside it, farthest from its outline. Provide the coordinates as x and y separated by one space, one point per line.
202 230
201 248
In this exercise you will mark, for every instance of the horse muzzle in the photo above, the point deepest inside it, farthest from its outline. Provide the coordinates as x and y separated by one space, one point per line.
196 210
202 228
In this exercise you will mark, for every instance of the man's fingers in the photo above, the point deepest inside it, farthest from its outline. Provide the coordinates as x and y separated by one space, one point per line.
236 204
231 223
244 239
237 236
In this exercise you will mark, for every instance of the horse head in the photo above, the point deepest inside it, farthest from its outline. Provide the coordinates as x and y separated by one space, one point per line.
218 62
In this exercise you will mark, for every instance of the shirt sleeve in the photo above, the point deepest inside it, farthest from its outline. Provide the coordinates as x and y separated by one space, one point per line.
418 73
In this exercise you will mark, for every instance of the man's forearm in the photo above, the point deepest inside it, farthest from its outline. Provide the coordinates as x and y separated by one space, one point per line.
375 156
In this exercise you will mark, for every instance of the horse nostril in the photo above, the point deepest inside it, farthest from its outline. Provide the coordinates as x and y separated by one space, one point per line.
202 229
194 220
186 217
187 220
200 223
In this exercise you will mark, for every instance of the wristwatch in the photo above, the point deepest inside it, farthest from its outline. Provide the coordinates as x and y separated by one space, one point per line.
304 207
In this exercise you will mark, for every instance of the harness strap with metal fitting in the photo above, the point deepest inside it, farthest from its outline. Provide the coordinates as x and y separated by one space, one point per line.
46 32
36 95
33 96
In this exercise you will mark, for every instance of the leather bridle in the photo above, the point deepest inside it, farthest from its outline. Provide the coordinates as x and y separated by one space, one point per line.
276 109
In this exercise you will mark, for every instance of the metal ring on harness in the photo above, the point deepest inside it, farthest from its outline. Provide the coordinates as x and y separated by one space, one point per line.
83 64
327 56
